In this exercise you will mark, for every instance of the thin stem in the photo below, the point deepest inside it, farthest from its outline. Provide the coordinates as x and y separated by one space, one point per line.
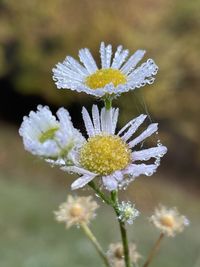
108 103
106 199
96 244
154 250
114 197
125 243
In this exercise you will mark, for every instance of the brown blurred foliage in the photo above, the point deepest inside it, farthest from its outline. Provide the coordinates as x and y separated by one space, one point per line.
35 35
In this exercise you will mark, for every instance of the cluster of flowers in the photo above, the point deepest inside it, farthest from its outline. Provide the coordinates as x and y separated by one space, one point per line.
113 158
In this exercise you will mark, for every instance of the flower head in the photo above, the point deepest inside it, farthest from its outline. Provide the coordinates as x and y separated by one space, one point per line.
115 76
128 212
169 221
45 136
113 156
76 210
116 254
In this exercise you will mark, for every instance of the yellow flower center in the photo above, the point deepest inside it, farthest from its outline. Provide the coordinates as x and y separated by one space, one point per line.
105 76
104 154
49 134
167 220
76 210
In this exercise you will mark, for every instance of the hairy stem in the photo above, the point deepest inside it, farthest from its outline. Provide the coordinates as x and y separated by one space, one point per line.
114 197
154 250
96 244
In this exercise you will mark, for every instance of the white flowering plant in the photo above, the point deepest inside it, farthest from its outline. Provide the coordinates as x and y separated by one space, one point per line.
106 160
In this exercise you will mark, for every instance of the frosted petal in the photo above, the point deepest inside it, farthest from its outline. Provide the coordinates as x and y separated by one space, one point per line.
152 128
82 181
146 154
87 59
88 122
135 125
132 61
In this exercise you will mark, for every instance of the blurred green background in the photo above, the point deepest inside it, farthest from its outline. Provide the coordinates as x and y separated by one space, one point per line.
34 36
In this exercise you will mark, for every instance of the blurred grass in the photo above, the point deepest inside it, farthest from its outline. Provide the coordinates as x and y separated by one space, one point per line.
30 191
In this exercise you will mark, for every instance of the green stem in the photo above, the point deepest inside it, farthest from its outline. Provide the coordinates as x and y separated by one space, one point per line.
114 197
153 250
108 103
106 199
94 241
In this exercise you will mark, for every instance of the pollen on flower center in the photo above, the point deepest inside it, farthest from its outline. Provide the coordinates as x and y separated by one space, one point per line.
105 76
167 220
104 154
49 134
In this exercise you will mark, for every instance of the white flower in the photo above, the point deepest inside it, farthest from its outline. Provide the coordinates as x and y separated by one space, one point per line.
113 78
169 221
128 212
113 156
45 136
116 254
76 210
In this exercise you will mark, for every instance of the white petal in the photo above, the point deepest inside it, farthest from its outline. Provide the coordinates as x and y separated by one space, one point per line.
87 59
103 124
108 55
103 55
117 53
76 66
132 61
62 72
88 122
96 119
118 176
110 182
146 154
78 170
115 119
143 74
135 125
138 169
152 128
65 119
108 120
82 181
119 58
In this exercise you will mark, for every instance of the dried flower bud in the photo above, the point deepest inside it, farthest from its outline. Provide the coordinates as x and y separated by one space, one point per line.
76 210
169 221
116 254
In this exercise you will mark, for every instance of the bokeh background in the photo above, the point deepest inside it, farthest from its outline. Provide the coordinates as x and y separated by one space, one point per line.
34 36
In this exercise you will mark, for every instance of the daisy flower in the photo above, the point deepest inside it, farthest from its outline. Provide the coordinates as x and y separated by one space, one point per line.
116 254
116 75
111 156
47 137
169 221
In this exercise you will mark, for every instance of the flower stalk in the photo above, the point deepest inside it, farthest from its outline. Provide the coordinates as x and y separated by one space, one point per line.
108 103
96 244
154 250
114 196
